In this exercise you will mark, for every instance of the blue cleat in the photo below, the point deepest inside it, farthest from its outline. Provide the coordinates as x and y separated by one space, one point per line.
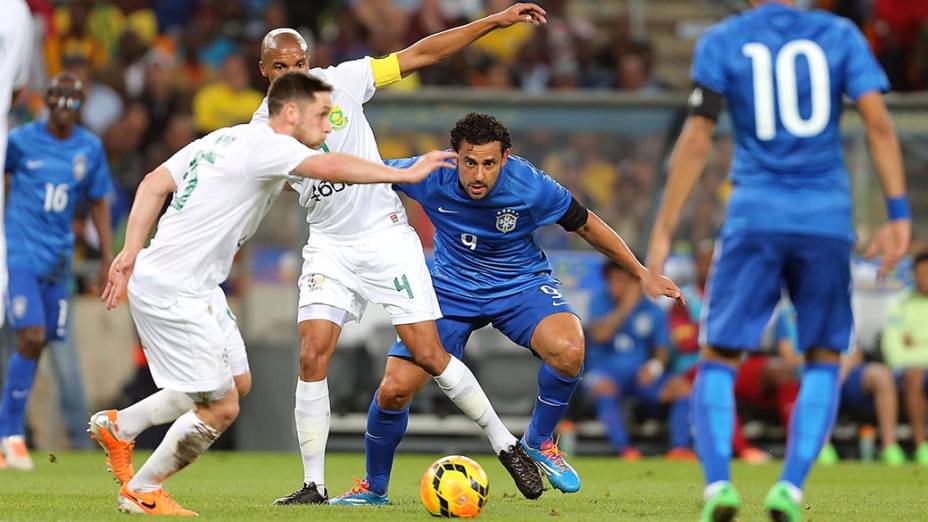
360 495
550 461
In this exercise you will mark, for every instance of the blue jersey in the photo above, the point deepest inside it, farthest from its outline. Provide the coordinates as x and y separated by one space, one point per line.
48 177
783 73
486 247
645 329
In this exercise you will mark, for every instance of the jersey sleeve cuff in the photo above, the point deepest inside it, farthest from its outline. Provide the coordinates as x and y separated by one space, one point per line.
386 70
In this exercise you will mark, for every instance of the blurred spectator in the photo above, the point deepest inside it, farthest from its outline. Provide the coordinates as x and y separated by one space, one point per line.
74 39
905 347
160 96
226 102
627 352
102 105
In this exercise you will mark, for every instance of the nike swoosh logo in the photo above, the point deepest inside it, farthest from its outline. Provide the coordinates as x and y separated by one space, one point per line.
142 503
446 211
34 164
559 303
19 394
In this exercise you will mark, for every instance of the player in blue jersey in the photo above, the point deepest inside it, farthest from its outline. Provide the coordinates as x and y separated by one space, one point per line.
783 73
53 164
488 270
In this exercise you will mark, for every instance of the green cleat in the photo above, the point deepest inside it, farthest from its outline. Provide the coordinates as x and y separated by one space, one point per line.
828 456
921 454
893 456
722 506
780 504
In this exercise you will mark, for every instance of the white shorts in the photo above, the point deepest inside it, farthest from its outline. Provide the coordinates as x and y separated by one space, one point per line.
387 268
192 345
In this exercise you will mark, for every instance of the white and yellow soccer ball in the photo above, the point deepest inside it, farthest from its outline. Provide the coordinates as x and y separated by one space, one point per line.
454 487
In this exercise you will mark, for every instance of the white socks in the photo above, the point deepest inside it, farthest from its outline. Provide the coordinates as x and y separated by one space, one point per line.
312 415
186 440
159 408
460 385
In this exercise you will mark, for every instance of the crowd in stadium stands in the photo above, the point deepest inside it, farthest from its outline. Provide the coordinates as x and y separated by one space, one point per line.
158 73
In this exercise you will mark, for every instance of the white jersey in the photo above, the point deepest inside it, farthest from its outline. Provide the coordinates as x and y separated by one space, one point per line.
226 183
337 210
16 29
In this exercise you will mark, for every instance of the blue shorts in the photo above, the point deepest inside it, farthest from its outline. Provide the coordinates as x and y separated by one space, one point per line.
516 316
853 396
38 301
625 377
749 274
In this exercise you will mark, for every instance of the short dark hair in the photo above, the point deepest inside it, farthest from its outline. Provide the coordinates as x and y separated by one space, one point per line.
479 129
294 86
920 258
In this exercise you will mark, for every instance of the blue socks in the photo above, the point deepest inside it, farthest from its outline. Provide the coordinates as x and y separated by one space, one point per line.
19 376
608 410
385 430
713 405
812 419
678 423
554 393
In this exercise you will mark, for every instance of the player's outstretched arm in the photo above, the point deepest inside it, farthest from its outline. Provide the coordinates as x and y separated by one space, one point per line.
344 168
686 165
603 238
892 240
437 47
149 199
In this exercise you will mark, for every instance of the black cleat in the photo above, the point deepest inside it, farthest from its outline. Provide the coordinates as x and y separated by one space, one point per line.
308 494
523 470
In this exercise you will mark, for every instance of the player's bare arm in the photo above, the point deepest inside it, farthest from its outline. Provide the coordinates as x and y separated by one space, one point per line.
892 240
344 168
439 46
687 162
149 199
100 215
603 238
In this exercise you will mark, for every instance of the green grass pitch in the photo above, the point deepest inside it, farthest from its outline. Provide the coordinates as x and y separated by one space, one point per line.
240 486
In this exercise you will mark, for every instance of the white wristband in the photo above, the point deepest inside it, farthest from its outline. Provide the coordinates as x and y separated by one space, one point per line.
655 367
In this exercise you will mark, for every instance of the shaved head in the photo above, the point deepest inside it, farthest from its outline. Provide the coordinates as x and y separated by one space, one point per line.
283 50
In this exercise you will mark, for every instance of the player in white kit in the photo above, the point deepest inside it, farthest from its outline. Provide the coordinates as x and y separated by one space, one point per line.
361 250
15 48
222 186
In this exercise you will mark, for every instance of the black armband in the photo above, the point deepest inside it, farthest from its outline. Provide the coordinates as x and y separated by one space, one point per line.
575 216
704 102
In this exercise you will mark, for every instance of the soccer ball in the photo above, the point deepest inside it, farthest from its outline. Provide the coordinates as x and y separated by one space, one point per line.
454 487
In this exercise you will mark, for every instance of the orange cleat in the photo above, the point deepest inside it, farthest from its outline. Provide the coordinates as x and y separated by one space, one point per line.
103 429
752 455
16 453
157 502
631 455
681 454
3 464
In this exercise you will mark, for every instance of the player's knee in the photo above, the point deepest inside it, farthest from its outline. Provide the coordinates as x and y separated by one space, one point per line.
912 378
314 364
880 376
30 342
567 359
393 394
243 384
604 388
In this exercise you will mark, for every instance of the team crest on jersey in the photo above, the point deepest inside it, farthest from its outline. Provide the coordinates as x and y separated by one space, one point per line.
506 220
79 167
313 281
337 118
19 306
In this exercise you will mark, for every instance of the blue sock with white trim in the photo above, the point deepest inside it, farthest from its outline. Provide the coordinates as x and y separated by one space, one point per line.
554 393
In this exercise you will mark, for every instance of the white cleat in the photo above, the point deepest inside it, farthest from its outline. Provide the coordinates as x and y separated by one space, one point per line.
17 456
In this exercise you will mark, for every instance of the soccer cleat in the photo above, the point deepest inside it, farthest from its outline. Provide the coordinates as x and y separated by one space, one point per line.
630 454
722 505
780 504
828 456
308 494
893 455
16 453
523 470
157 502
921 454
681 454
103 429
752 455
360 495
3 464
552 463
